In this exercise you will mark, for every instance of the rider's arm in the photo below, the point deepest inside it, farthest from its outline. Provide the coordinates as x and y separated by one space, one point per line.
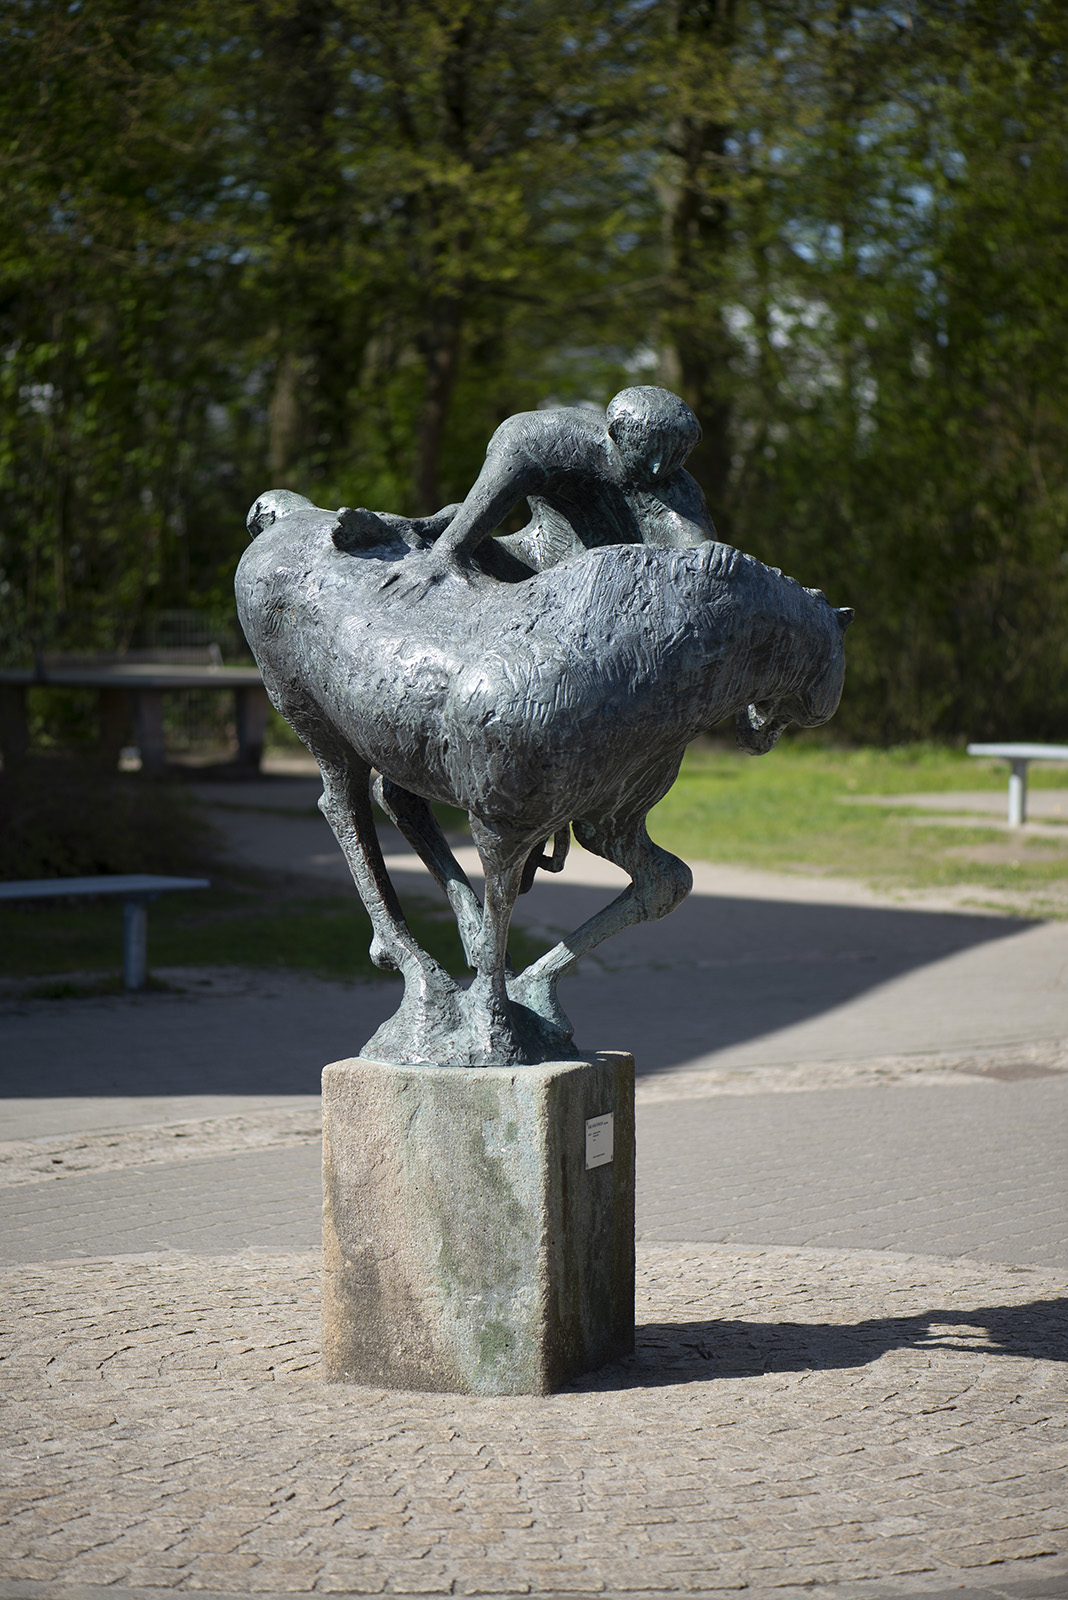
688 521
507 477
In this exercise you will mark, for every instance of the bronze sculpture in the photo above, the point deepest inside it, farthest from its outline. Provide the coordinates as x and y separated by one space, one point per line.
543 682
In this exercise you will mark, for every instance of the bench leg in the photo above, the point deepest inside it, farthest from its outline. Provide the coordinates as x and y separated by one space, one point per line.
148 715
252 707
134 944
14 733
1018 794
115 718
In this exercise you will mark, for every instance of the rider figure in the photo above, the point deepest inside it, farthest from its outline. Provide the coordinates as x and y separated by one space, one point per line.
589 480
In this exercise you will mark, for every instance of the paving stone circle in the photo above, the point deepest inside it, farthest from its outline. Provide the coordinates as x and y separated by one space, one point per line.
791 1417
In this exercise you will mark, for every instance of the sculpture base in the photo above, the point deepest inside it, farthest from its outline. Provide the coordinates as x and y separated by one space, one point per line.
478 1223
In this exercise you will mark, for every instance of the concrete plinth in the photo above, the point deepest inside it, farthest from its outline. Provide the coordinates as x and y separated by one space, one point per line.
478 1224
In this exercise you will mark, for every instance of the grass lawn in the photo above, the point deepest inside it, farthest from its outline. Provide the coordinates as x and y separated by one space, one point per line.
789 810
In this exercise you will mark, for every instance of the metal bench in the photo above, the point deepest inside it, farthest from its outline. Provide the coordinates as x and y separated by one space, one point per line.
1020 756
136 889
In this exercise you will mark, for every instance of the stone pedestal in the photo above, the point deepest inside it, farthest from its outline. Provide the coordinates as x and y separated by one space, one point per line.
478 1224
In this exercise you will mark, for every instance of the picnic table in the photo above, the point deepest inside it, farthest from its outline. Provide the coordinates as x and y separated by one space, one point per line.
1020 757
131 693
136 889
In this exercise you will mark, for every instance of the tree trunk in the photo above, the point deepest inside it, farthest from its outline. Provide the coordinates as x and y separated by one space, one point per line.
283 421
441 353
697 239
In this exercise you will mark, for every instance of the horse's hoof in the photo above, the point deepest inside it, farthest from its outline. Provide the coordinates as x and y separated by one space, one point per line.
425 1025
539 1015
541 1041
492 1039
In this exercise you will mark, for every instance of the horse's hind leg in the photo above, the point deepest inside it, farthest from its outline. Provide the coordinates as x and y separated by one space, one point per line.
421 1028
416 821
659 881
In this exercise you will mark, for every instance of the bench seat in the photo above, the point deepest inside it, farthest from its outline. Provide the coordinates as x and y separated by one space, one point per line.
136 889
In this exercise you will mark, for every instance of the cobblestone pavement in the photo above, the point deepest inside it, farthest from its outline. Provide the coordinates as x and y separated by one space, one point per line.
790 1415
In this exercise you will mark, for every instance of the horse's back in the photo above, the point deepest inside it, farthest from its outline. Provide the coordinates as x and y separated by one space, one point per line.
510 698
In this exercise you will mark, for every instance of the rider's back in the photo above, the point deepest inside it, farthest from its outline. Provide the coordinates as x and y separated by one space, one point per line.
580 497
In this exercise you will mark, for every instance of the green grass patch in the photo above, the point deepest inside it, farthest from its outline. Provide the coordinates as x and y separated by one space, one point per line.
785 810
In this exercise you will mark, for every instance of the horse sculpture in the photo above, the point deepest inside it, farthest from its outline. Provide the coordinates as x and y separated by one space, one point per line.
538 703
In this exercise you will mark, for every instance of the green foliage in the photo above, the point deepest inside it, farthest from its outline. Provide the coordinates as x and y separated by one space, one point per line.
60 819
902 316
330 244
115 312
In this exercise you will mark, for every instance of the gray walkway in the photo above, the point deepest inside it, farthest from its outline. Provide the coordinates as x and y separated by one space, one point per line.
853 1323
976 1170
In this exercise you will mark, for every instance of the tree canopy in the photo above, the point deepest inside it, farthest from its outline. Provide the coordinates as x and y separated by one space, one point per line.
331 244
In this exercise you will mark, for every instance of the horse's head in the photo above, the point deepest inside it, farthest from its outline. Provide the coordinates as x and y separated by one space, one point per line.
758 727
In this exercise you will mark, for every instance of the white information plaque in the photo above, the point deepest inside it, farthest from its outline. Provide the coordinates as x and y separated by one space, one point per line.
599 1141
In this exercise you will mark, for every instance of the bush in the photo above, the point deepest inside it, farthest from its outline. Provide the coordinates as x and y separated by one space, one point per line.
59 818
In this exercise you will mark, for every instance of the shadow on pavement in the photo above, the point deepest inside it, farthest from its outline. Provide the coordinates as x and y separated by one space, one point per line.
718 974
721 972
680 1352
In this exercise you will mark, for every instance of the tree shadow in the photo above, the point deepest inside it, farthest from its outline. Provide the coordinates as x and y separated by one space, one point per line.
684 1352
717 973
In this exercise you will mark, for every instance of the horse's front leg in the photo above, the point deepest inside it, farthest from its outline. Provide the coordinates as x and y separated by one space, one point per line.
415 819
659 882
424 1025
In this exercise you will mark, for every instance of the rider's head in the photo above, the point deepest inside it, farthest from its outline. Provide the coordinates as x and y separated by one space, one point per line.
653 431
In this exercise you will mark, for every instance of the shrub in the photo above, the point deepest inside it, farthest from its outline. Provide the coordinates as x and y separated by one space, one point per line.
61 818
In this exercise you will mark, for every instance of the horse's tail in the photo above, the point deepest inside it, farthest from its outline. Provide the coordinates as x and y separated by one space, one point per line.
273 504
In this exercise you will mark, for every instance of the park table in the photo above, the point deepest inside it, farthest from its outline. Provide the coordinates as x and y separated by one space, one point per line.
131 694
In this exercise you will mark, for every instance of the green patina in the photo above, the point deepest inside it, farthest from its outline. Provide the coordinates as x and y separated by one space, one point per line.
466 1187
495 1340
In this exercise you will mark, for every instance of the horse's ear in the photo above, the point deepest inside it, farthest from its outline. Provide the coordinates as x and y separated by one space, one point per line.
845 615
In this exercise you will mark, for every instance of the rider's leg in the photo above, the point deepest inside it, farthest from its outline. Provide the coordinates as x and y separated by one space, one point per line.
434 526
